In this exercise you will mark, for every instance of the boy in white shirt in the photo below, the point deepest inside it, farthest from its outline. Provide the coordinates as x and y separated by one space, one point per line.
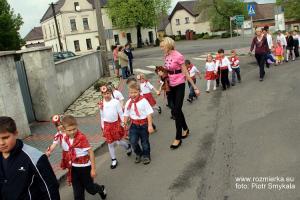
139 111
193 71
225 67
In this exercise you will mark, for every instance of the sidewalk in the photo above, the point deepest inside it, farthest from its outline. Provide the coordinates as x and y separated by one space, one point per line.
43 133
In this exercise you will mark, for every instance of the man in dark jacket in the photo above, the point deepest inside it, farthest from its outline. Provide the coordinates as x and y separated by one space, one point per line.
25 172
128 52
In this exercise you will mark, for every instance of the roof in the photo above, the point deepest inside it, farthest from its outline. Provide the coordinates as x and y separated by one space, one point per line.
35 34
48 14
264 12
163 23
189 6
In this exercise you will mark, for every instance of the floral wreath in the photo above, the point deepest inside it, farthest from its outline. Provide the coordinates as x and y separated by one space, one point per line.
57 119
103 88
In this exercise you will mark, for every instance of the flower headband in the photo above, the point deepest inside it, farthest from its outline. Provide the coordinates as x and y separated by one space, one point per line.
103 88
57 119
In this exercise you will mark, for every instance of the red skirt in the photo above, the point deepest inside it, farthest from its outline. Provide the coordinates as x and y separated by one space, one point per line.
113 131
210 75
150 99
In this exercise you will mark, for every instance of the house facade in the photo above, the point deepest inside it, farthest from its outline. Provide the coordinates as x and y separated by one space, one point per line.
185 17
77 26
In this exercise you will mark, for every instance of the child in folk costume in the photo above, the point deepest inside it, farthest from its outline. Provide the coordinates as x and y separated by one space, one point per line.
225 68
139 111
235 65
116 94
210 72
111 114
146 88
79 159
56 120
193 71
165 85
279 53
218 58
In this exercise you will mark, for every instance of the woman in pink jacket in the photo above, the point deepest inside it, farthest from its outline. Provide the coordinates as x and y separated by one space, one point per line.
178 73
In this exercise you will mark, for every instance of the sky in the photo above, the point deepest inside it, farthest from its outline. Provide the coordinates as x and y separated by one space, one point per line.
33 10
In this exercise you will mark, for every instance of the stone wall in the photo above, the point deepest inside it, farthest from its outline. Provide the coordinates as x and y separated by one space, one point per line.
76 74
11 100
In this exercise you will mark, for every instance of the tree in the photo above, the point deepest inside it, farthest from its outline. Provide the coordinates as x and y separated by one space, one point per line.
291 8
136 13
220 11
10 24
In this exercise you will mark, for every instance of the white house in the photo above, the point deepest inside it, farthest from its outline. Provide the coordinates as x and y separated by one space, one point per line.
185 17
77 26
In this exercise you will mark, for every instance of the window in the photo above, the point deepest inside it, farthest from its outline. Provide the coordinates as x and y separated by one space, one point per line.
50 31
76 45
177 22
54 32
117 41
88 44
45 32
85 22
178 32
73 25
76 6
187 20
128 36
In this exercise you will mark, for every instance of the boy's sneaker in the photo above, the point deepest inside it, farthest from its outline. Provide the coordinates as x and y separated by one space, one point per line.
146 160
102 192
138 159
129 150
159 109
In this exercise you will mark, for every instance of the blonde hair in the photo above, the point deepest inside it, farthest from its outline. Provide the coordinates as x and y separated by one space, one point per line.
134 86
141 76
169 43
69 120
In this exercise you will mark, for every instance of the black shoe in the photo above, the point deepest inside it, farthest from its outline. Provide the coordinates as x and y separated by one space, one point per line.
129 150
187 134
172 117
261 79
224 89
159 109
190 100
176 146
146 160
138 159
114 163
102 192
232 84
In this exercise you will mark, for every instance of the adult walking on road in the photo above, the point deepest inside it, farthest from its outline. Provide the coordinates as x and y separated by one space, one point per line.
128 52
261 49
178 73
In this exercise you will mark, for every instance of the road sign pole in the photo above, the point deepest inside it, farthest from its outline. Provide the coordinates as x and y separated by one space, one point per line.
231 32
251 25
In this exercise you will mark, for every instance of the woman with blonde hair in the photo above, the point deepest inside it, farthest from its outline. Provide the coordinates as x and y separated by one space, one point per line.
178 74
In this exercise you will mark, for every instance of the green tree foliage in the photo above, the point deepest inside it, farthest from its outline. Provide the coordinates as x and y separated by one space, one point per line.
136 13
291 8
220 11
10 24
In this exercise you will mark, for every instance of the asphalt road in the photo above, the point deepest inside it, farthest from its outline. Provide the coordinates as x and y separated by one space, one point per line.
251 130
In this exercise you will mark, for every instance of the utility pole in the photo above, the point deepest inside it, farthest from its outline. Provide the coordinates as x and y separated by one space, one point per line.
101 38
56 24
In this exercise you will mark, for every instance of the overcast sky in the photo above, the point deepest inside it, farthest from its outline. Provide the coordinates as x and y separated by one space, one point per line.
33 10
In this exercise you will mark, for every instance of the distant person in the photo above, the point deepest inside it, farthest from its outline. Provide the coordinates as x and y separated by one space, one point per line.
266 32
210 73
25 172
260 44
281 38
290 46
193 71
116 59
296 43
128 52
279 55
123 60
225 68
235 65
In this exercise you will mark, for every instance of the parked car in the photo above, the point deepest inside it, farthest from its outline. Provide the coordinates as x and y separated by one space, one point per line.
63 55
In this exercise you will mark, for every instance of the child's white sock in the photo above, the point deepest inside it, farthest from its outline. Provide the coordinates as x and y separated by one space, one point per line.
208 85
111 149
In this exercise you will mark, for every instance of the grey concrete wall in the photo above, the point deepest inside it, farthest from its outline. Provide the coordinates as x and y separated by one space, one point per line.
11 100
76 74
42 82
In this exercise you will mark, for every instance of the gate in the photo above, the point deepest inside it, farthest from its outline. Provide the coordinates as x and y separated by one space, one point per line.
22 76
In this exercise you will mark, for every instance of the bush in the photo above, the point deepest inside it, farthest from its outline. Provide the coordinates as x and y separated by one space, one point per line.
207 36
225 35
195 37
177 38
182 37
200 35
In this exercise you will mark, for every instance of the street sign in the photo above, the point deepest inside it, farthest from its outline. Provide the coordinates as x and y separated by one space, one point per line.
239 20
251 9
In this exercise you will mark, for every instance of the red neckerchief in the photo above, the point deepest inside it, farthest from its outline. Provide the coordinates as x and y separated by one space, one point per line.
134 102
189 67
79 141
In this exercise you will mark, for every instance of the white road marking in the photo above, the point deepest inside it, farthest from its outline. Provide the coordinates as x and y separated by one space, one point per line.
144 71
151 66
